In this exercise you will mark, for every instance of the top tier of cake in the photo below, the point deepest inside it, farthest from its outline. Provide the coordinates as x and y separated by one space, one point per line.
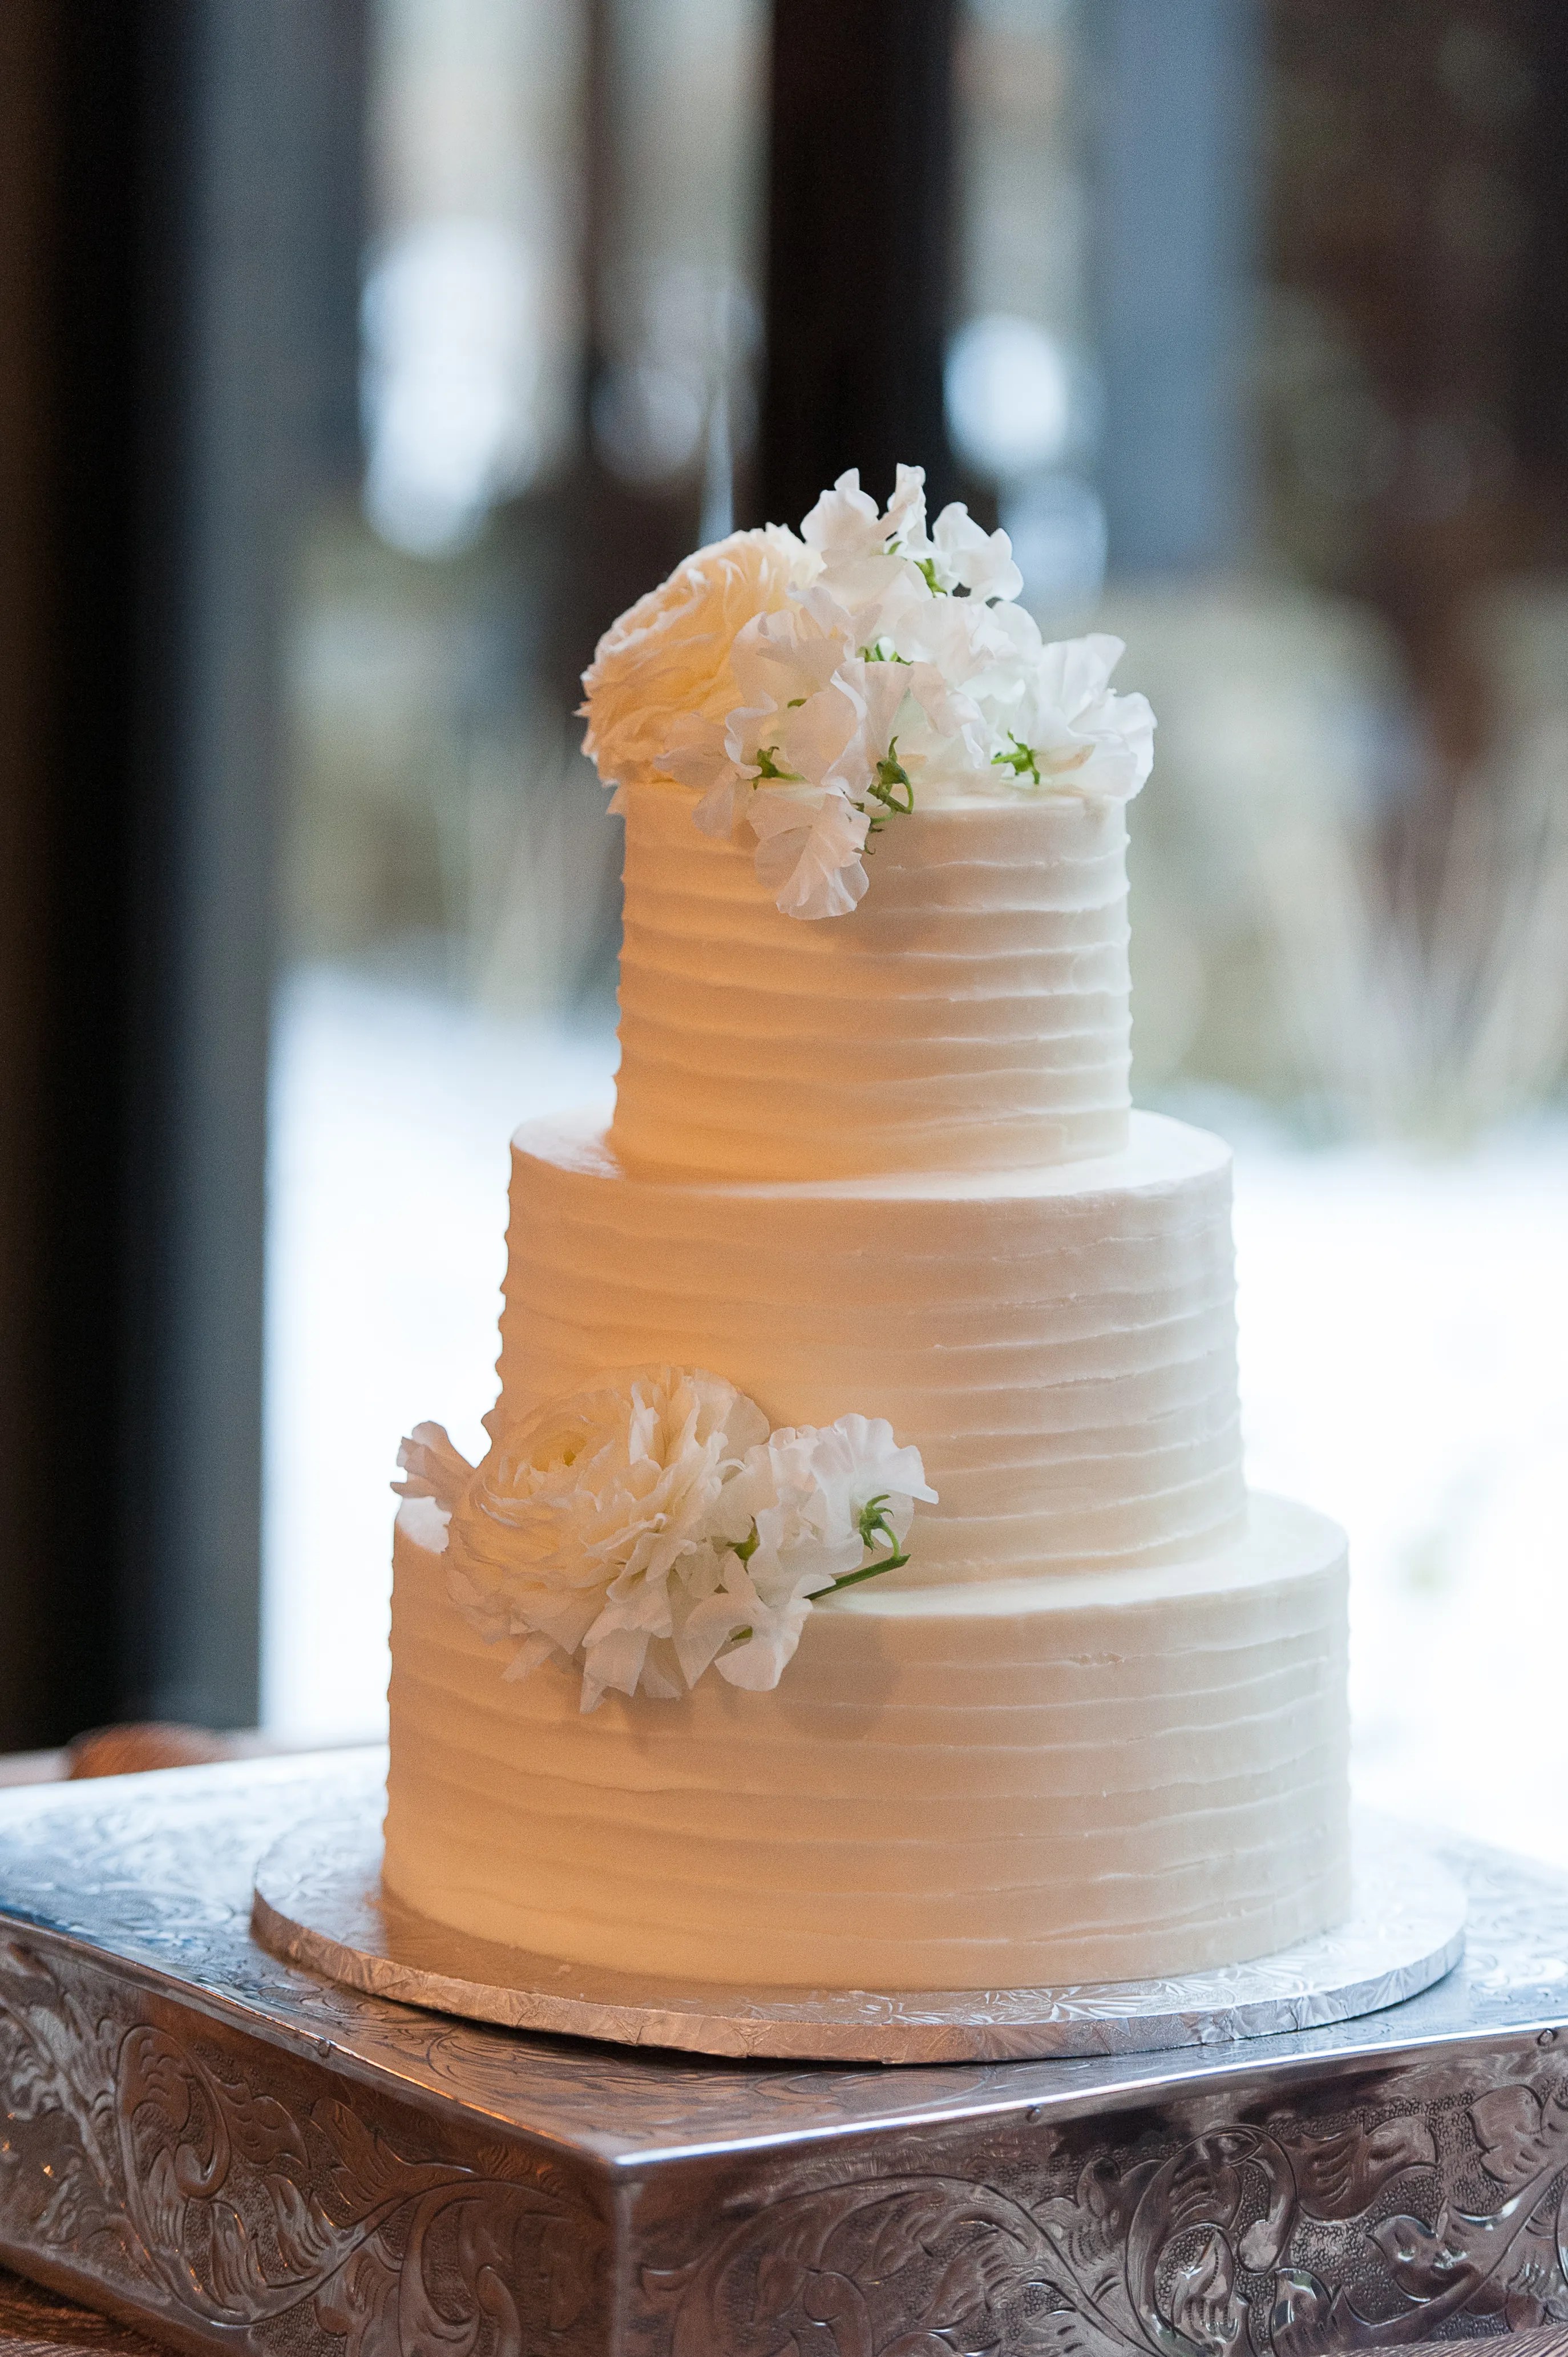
971 1014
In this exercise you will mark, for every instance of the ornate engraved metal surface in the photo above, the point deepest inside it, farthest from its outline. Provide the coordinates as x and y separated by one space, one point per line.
319 1902
236 2155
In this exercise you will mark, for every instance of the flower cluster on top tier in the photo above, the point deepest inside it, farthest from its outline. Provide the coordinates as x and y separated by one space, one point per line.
812 689
654 1527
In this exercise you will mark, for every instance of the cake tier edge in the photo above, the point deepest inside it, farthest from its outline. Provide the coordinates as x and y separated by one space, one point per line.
1058 1342
1108 1777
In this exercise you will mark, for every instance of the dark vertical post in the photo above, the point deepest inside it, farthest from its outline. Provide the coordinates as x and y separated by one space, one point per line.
169 390
1175 222
255 366
70 91
1541 369
860 242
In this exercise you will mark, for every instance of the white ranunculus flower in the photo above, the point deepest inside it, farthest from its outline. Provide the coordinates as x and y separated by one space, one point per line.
668 658
596 1499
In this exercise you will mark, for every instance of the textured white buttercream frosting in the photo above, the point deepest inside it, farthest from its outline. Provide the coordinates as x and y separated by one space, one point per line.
884 1165
1087 1779
971 1014
1058 1343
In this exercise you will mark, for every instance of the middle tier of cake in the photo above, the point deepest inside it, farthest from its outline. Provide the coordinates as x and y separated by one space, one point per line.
1058 1343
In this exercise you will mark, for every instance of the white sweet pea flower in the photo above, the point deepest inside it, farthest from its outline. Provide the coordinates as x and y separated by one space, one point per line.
808 1506
847 529
783 664
713 755
809 847
846 525
781 660
865 554
867 771
765 1635
964 555
850 1463
959 637
907 509
1065 729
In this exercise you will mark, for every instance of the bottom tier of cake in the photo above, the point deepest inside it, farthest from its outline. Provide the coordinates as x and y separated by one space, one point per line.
1107 1777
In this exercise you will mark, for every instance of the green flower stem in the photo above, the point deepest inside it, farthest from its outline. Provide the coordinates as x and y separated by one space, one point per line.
873 1525
892 787
1022 761
894 1562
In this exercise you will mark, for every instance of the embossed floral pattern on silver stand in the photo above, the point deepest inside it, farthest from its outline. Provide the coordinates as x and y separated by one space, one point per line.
241 2156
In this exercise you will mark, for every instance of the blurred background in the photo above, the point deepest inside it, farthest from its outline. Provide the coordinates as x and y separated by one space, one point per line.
367 357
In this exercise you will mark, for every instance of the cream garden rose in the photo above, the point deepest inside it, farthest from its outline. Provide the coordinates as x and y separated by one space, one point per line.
668 657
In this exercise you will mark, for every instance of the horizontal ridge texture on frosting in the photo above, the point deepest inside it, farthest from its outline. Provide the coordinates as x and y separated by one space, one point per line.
1082 1779
971 1013
1059 1342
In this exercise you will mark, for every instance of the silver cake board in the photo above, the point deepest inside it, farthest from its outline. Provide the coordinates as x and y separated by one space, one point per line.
233 2152
319 1901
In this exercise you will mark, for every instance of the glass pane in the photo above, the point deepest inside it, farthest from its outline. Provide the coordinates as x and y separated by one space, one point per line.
558 330
1260 355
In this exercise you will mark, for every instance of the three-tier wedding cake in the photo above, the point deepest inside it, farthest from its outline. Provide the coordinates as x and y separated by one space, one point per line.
861 1589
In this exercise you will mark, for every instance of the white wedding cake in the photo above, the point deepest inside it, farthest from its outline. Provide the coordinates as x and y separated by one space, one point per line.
861 1589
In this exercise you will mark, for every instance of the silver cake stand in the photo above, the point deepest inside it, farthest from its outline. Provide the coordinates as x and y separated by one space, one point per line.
319 1902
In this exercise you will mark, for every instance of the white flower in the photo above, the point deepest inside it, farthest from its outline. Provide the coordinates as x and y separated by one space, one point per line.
846 1465
964 555
435 1469
765 1634
811 690
809 847
783 665
1080 735
719 758
852 539
668 658
654 1527
593 1501
808 1502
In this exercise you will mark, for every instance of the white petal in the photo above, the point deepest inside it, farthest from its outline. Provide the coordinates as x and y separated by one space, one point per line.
809 857
436 1467
812 738
530 1654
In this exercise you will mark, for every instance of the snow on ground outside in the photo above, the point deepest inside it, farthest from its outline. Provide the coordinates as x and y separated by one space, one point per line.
1404 1367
